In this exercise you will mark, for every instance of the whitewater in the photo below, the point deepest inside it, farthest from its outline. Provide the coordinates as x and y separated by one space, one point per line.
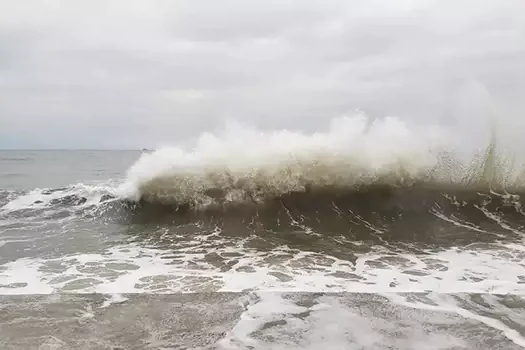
271 239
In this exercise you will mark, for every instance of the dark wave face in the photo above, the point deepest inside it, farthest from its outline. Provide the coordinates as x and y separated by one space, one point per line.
378 214
409 216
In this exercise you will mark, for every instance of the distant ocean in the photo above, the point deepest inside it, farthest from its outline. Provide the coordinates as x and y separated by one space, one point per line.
280 241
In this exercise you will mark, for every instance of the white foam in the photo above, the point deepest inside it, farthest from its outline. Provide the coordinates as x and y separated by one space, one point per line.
353 149
42 197
445 303
113 299
278 321
134 269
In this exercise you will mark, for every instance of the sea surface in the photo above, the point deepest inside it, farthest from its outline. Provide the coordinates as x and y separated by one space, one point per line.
171 250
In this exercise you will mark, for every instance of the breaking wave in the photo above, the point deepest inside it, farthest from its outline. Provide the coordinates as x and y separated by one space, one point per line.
244 165
378 180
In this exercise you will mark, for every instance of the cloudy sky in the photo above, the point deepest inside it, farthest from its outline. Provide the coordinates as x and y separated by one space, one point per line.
133 74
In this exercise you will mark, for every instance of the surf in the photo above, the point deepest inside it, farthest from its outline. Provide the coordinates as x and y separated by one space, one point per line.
241 164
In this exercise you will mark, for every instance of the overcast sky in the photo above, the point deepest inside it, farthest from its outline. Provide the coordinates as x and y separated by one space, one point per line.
133 74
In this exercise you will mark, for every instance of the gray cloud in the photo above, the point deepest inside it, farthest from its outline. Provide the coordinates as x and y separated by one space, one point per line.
131 74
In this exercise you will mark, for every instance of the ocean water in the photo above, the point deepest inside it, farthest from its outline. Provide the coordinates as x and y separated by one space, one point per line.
359 237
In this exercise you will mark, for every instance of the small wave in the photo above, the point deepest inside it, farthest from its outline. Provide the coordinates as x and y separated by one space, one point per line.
6 196
76 196
15 159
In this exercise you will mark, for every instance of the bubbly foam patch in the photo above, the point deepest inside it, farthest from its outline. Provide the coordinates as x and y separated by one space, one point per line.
367 321
134 269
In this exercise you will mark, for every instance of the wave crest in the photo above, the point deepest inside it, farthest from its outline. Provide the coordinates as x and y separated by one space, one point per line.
245 165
